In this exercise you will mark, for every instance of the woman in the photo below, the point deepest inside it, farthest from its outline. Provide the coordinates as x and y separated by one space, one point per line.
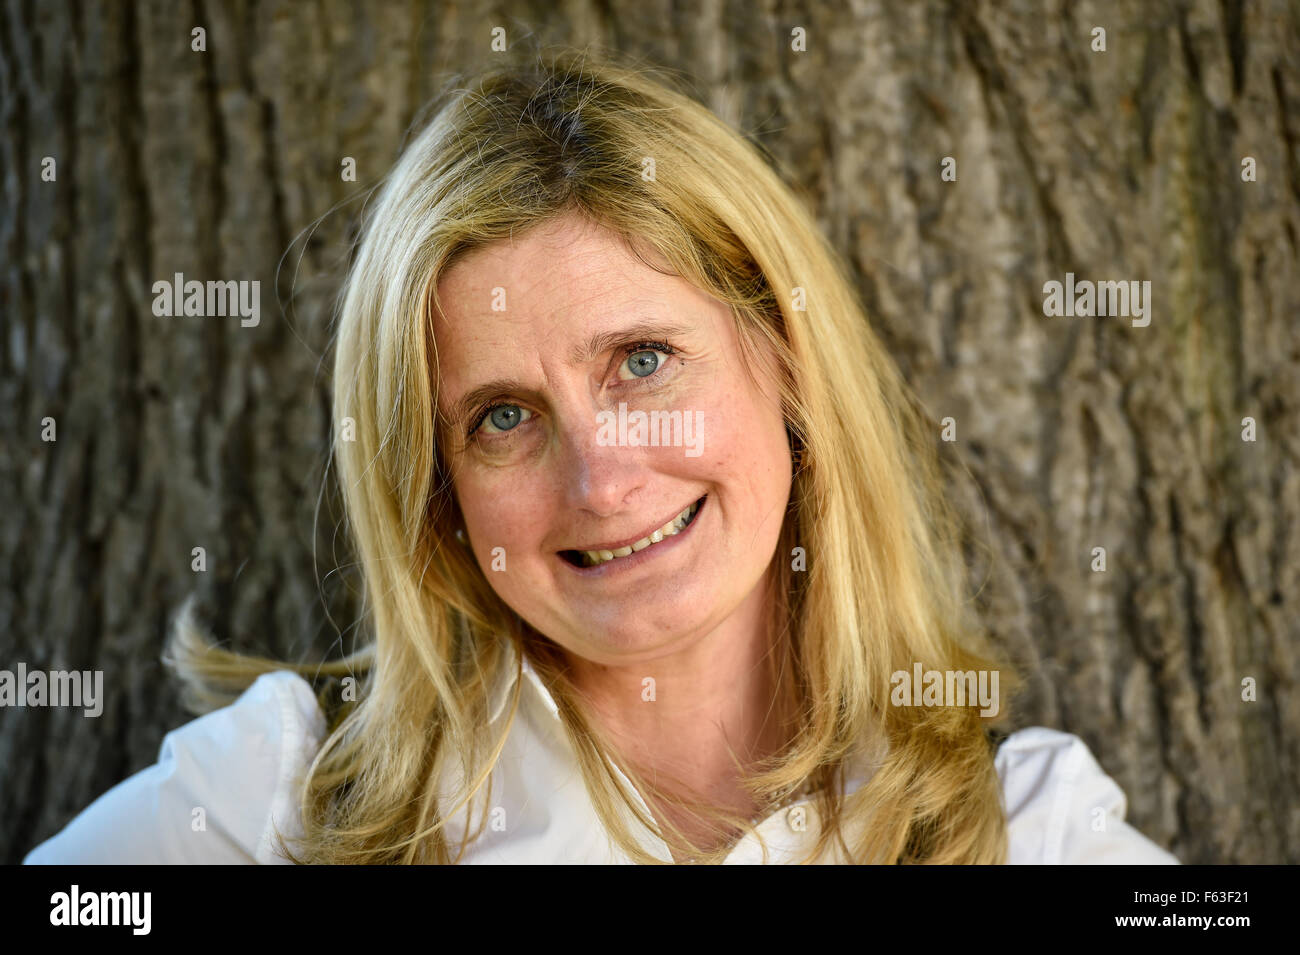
652 536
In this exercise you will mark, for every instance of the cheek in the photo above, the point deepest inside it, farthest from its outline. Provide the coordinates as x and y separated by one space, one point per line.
500 511
746 443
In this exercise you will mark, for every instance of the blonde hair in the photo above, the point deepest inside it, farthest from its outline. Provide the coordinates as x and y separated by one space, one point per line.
516 146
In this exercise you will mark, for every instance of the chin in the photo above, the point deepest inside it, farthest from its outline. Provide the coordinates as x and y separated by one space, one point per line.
621 642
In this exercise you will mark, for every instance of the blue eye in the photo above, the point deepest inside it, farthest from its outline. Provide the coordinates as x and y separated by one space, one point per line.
504 418
642 364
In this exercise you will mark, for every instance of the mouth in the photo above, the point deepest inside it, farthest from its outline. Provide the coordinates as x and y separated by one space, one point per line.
598 556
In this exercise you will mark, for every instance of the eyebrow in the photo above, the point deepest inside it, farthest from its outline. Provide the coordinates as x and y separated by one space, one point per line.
601 342
588 351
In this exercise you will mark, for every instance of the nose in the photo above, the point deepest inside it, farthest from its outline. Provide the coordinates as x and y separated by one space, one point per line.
600 476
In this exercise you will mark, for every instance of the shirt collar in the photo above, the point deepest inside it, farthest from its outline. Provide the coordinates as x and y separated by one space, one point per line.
532 684
861 766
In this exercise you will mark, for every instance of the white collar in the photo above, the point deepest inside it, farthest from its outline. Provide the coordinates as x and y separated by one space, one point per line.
506 683
858 772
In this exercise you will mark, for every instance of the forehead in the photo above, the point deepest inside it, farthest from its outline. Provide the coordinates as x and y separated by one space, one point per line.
563 265
533 252
553 286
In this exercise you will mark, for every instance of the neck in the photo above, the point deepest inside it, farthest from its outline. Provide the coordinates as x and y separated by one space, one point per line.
715 711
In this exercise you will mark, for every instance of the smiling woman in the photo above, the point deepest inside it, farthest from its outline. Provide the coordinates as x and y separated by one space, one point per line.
584 649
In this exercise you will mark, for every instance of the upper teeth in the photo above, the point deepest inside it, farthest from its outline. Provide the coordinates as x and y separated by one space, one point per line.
593 557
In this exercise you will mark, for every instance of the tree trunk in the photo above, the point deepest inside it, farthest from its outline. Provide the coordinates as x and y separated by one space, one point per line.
1072 433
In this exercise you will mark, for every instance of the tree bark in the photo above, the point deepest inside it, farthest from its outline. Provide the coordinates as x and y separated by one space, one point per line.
1071 433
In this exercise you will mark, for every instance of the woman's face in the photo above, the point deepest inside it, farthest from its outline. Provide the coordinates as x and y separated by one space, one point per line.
546 342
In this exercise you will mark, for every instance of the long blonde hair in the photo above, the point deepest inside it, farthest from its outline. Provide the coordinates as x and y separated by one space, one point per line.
507 149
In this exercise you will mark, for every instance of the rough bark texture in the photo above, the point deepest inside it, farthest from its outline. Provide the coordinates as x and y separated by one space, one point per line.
1078 432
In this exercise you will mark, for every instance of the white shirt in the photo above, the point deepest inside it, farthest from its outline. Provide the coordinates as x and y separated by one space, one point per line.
239 765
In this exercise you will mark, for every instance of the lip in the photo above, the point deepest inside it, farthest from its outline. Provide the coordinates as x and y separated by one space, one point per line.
639 557
628 542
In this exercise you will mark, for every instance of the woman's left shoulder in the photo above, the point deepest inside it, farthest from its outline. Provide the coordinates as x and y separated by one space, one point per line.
1061 806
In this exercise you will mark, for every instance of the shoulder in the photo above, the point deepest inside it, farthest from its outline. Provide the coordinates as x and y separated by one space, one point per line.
222 787
1063 808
